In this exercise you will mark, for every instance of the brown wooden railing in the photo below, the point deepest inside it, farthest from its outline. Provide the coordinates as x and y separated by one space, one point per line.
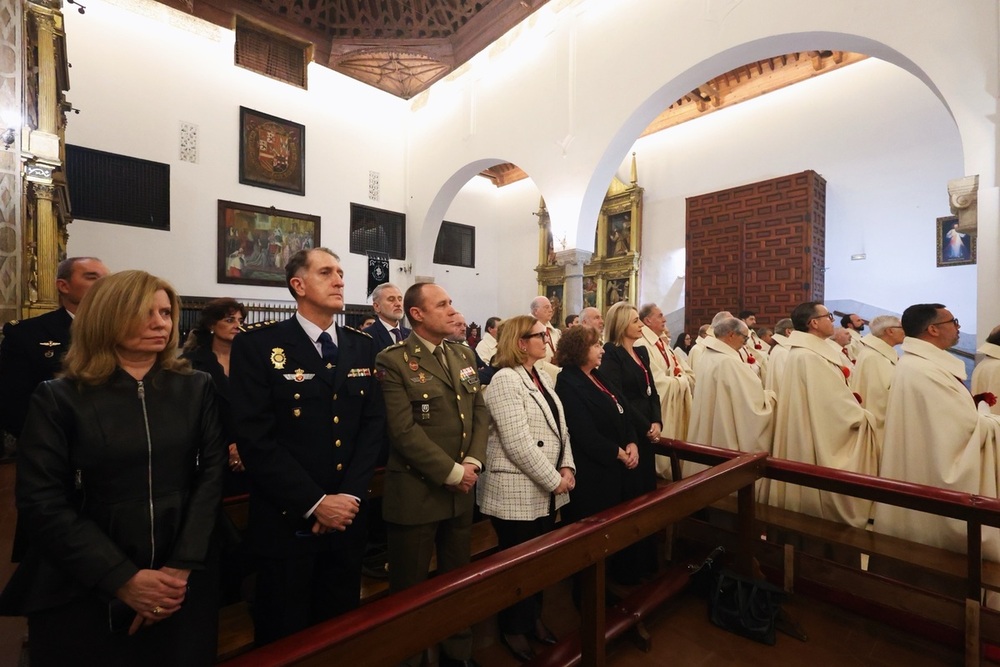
976 511
423 615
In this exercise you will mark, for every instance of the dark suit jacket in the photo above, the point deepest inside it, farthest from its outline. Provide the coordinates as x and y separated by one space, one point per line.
596 431
435 419
31 353
303 431
383 338
622 371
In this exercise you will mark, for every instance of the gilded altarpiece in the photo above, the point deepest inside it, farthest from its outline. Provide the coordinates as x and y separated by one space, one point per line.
612 275
41 145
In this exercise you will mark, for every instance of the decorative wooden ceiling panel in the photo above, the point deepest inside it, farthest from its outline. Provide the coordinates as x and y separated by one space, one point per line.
380 19
399 46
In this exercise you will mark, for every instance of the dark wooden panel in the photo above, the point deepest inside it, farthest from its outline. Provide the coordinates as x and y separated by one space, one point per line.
757 246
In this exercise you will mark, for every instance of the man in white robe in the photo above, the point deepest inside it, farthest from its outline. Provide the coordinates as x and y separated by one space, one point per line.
856 328
778 355
731 409
699 346
755 351
819 421
541 310
986 375
876 364
672 384
841 341
934 434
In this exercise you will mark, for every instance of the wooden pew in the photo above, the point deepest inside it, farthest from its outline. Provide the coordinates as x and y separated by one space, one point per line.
235 623
922 589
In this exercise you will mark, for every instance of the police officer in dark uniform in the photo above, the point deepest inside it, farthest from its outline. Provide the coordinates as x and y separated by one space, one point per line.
309 418
32 349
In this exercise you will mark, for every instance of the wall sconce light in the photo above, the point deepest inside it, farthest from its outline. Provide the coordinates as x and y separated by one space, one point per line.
7 137
80 8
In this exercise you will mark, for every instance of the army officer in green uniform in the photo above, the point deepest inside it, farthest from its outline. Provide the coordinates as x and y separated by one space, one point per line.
437 424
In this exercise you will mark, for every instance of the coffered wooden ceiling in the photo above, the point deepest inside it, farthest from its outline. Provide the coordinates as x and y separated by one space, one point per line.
399 46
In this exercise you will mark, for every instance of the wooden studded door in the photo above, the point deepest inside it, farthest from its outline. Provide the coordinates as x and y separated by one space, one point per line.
755 247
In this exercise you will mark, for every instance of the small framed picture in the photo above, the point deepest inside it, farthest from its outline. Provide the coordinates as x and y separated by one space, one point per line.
954 247
272 152
255 242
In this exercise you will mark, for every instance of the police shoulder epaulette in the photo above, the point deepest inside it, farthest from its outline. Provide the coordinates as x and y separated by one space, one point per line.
357 331
13 323
259 325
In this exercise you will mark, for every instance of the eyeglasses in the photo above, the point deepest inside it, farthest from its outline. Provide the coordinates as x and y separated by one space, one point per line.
828 316
953 320
746 337
540 335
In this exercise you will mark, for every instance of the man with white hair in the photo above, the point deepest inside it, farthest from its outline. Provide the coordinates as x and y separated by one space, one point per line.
591 317
986 376
778 355
672 384
541 310
935 434
841 341
699 346
872 375
819 420
731 409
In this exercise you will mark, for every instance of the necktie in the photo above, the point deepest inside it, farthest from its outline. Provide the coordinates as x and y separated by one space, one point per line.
395 334
328 349
439 355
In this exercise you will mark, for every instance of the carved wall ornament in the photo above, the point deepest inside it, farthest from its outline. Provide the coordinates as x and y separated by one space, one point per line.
963 195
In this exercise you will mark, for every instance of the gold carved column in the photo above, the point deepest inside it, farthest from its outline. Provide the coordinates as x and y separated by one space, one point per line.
46 211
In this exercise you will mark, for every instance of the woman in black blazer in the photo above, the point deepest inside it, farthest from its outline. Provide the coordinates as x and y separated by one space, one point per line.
602 433
628 368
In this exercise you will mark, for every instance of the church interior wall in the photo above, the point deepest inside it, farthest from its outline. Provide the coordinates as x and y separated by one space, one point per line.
886 167
553 114
135 79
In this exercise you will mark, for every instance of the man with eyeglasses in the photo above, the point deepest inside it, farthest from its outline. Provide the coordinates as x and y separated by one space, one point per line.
731 409
934 433
820 421
873 371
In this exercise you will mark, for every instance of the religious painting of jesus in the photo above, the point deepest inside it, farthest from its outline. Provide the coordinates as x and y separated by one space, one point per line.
954 247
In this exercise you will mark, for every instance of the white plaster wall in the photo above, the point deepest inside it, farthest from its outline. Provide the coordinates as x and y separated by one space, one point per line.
136 78
886 165
503 282
600 71
563 96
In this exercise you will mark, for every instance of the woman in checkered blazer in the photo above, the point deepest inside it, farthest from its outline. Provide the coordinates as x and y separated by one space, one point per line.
529 467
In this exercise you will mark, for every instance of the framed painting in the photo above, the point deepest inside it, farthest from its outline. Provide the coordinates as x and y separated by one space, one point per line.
954 247
272 152
255 242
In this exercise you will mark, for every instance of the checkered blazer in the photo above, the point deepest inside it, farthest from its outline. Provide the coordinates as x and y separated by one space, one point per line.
524 451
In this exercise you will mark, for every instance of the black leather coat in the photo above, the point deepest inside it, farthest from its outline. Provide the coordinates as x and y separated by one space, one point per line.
113 479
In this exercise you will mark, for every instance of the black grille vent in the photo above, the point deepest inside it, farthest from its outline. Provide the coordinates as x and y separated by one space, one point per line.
124 190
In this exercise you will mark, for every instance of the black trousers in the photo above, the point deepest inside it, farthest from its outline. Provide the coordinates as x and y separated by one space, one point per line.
78 633
520 618
296 592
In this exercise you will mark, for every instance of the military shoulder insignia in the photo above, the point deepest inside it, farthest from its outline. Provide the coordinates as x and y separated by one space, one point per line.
14 322
358 331
259 325
278 358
